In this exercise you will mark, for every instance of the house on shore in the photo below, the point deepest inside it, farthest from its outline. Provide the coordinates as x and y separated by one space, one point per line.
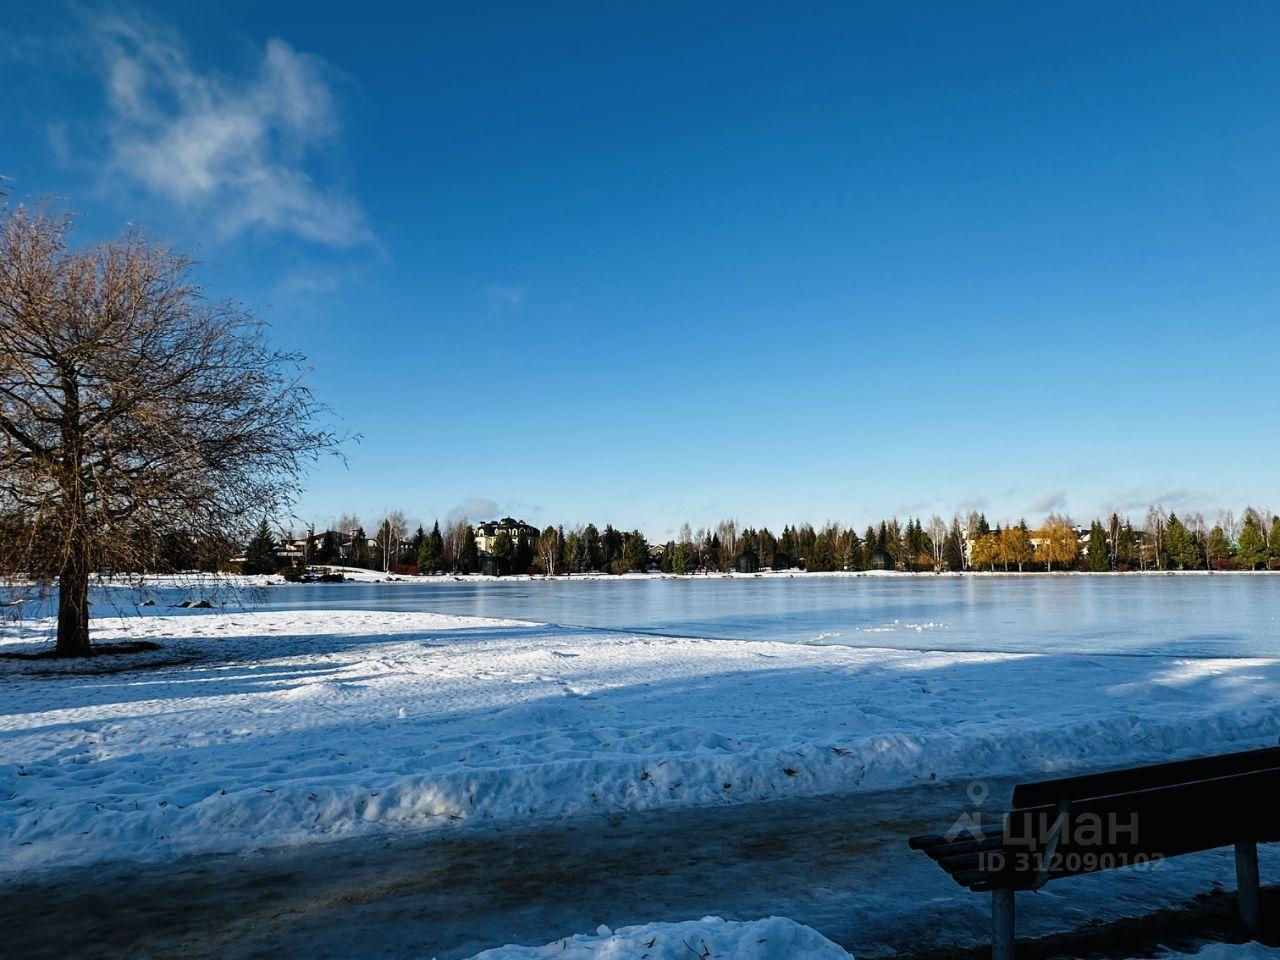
881 559
488 531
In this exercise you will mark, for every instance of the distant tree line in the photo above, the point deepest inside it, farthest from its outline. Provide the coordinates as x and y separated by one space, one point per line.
453 549
964 543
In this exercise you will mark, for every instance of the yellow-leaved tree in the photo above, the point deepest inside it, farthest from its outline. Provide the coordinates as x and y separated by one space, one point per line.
1057 543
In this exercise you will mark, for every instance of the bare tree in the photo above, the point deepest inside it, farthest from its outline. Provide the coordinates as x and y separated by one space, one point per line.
1230 525
1157 521
131 410
455 536
937 540
391 533
727 531
549 549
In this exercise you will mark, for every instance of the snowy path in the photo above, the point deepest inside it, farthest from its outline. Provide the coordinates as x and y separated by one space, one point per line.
291 727
837 864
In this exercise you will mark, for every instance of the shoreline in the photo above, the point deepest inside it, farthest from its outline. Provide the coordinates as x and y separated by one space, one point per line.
361 576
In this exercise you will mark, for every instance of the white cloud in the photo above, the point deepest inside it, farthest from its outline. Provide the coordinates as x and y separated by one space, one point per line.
232 149
1052 502
1177 499
474 509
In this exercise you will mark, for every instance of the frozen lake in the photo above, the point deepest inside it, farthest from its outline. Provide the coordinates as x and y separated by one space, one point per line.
1228 615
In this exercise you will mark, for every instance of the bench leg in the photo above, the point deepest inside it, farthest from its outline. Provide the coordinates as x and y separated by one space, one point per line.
1247 886
1002 925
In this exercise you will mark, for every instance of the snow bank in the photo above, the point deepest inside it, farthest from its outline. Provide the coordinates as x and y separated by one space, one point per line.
773 939
1229 951
776 938
286 727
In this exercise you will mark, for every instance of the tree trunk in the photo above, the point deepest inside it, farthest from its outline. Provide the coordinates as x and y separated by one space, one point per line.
73 580
73 604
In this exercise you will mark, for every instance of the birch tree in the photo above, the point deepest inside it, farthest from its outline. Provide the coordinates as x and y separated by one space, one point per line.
937 540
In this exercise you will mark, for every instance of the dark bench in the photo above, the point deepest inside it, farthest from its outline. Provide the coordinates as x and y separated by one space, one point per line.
1122 818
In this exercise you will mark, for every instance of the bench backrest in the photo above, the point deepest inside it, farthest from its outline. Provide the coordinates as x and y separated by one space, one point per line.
1050 792
1086 824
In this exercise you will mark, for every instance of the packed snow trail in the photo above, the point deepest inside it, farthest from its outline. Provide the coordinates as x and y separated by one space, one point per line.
271 728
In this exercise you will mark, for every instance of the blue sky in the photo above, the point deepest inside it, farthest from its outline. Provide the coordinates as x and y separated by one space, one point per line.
648 263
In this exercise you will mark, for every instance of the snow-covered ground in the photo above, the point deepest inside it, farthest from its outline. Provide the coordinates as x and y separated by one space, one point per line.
776 938
773 939
268 728
1229 951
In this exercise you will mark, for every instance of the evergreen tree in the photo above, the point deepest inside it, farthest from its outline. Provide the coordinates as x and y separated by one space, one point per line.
1273 539
360 548
767 549
917 545
983 526
414 548
468 559
806 540
562 551
589 549
431 553
953 548
503 549
1113 528
868 546
1126 547
789 544
853 552
1217 547
1253 548
1099 562
525 549
711 555
1180 547
260 554
820 560
610 547
635 552
327 549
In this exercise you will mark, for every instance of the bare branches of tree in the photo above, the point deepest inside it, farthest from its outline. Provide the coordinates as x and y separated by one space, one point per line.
132 409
